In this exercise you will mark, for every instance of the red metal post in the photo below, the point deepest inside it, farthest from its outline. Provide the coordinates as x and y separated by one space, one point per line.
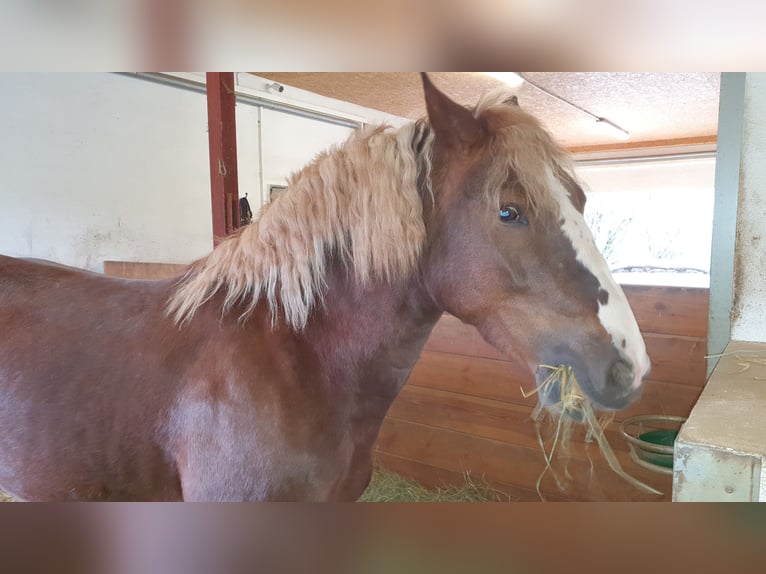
222 135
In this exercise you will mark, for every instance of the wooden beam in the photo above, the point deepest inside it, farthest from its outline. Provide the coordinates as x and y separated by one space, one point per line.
222 136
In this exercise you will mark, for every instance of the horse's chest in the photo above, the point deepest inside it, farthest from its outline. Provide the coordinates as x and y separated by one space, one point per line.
331 459
338 463
275 451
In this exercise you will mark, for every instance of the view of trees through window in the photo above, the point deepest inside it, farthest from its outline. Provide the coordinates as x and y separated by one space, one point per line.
653 223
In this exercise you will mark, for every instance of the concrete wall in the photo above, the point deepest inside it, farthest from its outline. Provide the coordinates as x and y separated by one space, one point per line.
749 307
720 453
288 144
102 166
112 167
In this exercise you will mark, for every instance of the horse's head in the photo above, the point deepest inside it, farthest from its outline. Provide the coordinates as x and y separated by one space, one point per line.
509 251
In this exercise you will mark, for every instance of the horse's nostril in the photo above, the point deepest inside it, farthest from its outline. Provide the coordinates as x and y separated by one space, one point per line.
621 373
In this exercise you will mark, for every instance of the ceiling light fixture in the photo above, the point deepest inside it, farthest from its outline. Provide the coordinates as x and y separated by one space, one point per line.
602 124
511 78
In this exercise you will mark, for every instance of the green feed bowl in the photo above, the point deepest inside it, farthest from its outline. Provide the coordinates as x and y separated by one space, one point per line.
651 439
662 438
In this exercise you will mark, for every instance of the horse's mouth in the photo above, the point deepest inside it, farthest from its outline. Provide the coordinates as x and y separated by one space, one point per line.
572 405
550 399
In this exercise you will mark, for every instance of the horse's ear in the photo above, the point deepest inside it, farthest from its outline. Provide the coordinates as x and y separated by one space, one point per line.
453 124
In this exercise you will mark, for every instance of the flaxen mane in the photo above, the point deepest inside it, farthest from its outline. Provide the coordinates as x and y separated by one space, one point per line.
361 201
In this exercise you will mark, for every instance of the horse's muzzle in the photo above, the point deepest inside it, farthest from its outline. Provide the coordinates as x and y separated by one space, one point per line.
620 388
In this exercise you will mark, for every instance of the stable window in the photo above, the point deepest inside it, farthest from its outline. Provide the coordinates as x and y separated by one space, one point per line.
653 220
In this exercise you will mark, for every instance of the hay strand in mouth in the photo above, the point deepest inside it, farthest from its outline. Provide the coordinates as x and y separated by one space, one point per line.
573 405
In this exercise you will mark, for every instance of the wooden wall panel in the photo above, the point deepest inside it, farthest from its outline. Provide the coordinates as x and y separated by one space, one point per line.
463 413
512 463
676 359
451 335
474 376
670 310
662 398
485 417
463 410
499 381
658 310
139 270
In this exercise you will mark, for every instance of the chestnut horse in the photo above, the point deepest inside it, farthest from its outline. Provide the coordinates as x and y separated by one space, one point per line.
264 373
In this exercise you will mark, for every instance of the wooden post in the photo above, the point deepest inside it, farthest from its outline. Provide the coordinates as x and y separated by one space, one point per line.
222 135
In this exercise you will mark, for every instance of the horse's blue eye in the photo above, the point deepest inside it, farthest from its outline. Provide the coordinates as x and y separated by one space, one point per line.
509 213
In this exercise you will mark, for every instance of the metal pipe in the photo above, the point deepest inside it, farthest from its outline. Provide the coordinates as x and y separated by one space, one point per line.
248 99
622 133
645 158
263 198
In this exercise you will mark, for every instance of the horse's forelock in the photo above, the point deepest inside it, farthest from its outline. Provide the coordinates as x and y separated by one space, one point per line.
522 150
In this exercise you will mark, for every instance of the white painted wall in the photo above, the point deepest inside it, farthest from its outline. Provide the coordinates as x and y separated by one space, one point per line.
258 86
680 174
720 454
248 156
290 141
104 166
288 145
749 311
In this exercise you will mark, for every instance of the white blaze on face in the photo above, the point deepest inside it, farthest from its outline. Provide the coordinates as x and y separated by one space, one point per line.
616 315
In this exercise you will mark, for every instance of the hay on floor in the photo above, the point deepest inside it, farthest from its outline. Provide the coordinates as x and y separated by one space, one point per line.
387 486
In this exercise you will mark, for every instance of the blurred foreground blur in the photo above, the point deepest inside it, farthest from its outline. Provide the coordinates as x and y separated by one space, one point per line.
379 538
335 35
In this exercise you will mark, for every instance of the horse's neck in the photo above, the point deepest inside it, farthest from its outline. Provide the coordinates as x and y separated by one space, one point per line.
371 336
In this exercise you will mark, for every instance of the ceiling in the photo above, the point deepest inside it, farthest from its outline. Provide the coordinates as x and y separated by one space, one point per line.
657 109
